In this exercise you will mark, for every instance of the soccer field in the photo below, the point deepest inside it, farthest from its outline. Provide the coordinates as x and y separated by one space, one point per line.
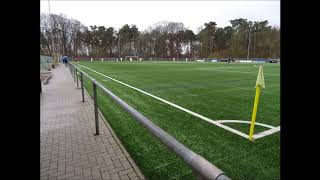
219 92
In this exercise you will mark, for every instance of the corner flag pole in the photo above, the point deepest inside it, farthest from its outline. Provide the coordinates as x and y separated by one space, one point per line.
259 84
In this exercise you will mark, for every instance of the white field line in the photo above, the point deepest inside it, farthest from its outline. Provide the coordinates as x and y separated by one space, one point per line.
233 88
245 122
258 135
266 133
253 73
223 67
176 106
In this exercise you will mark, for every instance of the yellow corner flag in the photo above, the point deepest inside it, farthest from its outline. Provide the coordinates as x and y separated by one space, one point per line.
260 78
259 84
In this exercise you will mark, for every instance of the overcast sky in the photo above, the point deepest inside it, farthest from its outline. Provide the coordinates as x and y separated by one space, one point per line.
145 13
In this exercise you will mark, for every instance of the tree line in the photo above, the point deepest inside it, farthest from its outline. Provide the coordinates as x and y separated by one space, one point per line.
161 40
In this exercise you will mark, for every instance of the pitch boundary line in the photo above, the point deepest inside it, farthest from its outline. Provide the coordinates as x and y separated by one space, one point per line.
245 122
266 133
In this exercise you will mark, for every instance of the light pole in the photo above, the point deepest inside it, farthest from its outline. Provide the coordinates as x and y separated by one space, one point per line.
51 34
119 46
249 43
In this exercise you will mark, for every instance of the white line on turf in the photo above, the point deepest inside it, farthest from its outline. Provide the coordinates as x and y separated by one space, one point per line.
266 133
245 122
176 106
253 73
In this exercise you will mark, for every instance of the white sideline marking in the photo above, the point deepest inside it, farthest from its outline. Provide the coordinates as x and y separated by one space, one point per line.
222 70
245 122
176 106
217 123
266 133
258 135
253 73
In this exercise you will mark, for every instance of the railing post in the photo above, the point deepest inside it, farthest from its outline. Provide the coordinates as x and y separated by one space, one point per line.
70 70
81 83
77 78
74 73
95 106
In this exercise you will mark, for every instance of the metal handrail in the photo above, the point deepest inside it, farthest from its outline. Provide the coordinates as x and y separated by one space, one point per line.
202 167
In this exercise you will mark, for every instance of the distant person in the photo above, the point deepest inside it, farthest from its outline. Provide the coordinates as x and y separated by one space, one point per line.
65 60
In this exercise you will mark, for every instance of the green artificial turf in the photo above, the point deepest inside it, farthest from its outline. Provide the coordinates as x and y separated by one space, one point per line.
219 91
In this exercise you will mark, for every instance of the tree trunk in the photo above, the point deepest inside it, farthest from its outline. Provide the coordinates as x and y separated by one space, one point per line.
110 51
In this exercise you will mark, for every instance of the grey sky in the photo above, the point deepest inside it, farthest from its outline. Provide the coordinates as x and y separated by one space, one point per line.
145 13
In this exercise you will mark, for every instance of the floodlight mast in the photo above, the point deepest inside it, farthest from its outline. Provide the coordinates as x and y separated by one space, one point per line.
249 43
52 43
119 53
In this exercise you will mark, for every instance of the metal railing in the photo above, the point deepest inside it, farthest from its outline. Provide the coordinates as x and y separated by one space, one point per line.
201 167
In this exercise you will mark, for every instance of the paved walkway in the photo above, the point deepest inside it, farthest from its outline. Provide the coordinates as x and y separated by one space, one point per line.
68 147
